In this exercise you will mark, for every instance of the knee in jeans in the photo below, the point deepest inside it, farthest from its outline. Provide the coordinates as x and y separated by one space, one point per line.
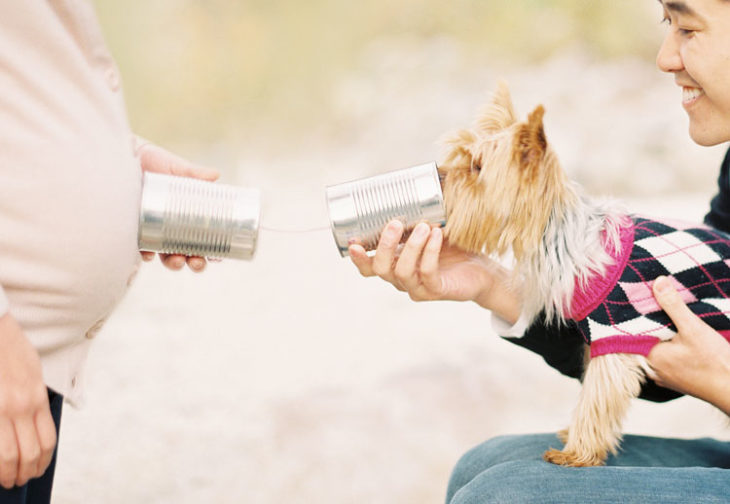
506 482
477 460
494 451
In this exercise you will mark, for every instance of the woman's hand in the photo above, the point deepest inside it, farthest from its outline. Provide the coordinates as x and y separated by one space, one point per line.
428 268
158 160
697 360
27 432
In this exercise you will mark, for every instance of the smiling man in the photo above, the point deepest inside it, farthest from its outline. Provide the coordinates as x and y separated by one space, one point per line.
696 51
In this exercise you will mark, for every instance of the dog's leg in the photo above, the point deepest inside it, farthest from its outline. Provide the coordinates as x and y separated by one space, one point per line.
610 383
563 433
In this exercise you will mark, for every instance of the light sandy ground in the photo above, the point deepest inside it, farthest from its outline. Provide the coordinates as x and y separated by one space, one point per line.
291 379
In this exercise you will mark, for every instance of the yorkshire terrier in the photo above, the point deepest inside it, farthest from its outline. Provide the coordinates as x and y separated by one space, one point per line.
580 262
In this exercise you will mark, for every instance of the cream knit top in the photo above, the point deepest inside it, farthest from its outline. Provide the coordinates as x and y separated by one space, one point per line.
69 183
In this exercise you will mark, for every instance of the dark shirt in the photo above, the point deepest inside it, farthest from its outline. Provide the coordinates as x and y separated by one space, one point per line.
719 215
563 347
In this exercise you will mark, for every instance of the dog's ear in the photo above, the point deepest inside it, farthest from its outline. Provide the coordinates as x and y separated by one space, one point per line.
499 114
530 142
458 150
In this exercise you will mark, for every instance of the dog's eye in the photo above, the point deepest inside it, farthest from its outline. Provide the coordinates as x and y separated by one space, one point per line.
476 167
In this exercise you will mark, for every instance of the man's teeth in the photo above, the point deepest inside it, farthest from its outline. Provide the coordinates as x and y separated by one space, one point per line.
689 94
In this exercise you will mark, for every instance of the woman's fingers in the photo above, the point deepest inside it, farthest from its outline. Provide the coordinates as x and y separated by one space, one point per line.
47 438
8 453
176 262
28 448
159 160
196 263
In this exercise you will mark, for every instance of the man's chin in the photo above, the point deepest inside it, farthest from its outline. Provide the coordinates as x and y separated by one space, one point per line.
708 138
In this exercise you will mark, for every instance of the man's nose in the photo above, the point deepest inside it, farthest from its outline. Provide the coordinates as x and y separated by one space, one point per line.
668 58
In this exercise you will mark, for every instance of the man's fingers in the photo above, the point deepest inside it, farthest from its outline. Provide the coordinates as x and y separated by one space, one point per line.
385 253
29 450
405 269
361 260
670 301
430 276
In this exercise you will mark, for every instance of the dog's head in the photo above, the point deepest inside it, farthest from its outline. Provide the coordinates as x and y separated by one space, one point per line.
501 180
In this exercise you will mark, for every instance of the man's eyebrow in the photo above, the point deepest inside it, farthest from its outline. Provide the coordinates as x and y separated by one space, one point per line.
678 7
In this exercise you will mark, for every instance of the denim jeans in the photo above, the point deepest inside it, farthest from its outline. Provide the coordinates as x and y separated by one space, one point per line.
510 469
38 490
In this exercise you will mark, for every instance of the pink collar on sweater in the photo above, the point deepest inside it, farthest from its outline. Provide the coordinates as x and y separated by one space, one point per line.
587 298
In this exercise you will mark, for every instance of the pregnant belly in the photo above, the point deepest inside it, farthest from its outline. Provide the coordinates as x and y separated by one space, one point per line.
70 240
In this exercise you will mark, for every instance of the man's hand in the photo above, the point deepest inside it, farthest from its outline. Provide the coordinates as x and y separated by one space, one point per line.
697 360
27 432
158 160
428 269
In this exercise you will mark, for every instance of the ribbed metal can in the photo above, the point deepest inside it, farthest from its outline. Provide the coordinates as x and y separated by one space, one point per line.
181 215
359 210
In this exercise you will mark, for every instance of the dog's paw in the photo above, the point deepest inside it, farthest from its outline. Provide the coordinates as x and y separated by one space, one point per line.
572 459
563 435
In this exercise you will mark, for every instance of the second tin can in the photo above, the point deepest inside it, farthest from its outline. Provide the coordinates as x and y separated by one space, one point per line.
359 210
181 215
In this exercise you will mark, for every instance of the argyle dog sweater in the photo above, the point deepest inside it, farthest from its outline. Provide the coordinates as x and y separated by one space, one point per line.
617 313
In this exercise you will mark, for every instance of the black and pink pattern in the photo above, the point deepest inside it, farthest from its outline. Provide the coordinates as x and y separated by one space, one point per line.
618 313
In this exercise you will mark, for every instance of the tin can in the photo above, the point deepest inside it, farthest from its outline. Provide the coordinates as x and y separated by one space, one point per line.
359 210
181 215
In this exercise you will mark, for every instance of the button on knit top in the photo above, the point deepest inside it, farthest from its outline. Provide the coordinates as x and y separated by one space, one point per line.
69 183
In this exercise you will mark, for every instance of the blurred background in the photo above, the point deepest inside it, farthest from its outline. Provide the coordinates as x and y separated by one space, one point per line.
290 378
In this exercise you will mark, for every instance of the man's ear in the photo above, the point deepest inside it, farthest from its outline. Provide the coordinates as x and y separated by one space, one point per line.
498 114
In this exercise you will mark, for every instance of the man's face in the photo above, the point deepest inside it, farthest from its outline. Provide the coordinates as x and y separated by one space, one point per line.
696 50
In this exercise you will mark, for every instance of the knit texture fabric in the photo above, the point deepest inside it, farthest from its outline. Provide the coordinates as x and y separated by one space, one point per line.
617 313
